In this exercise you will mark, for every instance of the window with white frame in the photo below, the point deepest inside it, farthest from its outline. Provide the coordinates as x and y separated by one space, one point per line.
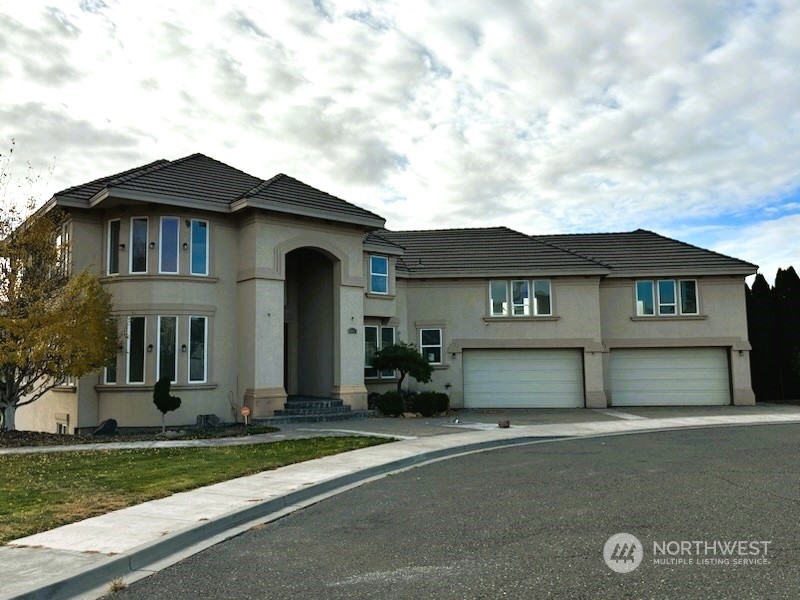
430 345
198 353
63 247
136 349
378 275
523 303
376 338
666 297
111 371
168 245
199 247
138 247
167 348
112 260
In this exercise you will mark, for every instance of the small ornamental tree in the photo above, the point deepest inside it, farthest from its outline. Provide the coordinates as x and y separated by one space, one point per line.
163 401
53 324
403 357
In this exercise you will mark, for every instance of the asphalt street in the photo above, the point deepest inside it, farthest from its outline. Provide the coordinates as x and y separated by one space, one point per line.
531 522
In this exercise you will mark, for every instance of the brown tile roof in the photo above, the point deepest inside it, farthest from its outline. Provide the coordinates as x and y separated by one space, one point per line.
493 251
200 179
642 252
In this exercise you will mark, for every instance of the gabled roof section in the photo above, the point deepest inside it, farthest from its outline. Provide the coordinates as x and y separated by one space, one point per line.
374 241
286 194
201 182
484 252
644 253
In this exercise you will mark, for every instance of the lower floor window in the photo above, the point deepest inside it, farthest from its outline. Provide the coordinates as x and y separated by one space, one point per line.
430 345
167 353
376 338
136 328
198 337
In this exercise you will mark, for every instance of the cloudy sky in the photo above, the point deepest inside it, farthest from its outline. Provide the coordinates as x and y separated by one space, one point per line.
678 116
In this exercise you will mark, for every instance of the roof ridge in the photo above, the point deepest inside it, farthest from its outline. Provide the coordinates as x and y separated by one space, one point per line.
574 253
262 185
112 177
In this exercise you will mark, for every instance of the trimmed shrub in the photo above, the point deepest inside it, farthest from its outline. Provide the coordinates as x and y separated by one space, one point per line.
390 404
430 403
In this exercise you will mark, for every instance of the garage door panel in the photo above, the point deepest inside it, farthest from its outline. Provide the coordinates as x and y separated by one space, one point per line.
669 376
523 378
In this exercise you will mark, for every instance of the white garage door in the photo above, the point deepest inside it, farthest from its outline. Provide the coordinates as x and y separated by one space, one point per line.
669 376
523 379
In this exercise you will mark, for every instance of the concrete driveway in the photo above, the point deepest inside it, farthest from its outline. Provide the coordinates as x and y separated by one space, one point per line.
529 522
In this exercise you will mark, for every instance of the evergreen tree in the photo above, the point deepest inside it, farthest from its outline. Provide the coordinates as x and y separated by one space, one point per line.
761 331
787 333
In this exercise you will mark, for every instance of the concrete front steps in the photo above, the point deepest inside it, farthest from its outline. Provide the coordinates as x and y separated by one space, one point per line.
309 409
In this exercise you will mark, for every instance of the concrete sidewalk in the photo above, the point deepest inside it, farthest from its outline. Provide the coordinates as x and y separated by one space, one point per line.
80 559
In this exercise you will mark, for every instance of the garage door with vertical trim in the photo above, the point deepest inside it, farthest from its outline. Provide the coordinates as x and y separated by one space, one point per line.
523 379
669 377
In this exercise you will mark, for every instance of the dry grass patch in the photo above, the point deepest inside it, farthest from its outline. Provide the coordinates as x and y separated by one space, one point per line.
44 491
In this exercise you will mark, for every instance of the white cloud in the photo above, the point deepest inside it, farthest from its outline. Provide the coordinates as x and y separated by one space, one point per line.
529 114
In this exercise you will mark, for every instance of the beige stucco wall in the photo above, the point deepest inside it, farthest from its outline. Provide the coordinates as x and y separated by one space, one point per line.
460 307
722 322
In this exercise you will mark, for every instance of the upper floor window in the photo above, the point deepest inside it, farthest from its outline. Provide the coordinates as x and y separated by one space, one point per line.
113 247
666 297
138 250
430 345
63 247
168 245
199 247
522 303
378 274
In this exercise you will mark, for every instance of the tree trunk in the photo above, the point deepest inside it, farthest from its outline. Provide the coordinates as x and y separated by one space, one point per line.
9 420
400 382
163 426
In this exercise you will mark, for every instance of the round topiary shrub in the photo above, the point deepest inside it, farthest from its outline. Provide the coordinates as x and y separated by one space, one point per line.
429 404
390 404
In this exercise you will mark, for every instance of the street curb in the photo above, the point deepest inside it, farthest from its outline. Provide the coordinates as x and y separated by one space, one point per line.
136 561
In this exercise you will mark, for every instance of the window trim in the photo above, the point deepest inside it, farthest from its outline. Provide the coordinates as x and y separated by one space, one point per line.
114 248
526 306
535 303
673 304
158 347
696 296
161 245
504 312
146 246
144 351
205 351
205 273
372 274
652 298
440 345
106 380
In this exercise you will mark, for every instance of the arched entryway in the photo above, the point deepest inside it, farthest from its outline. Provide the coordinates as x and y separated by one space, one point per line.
309 323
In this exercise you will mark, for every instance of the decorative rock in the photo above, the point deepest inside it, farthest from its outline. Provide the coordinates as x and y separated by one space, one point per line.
107 427
206 422
410 415
504 423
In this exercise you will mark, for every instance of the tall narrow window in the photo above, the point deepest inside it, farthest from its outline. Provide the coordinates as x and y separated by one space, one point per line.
168 245
430 344
113 247
387 339
370 348
136 349
541 297
167 354
378 274
520 298
666 297
139 245
199 257
63 246
111 370
198 338
498 298
645 302
688 297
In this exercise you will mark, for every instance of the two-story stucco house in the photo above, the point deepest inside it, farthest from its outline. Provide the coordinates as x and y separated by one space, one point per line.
249 291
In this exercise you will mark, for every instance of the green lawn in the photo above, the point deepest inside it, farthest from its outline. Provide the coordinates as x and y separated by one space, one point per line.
42 491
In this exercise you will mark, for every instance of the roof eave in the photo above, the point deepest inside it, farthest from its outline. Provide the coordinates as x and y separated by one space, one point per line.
672 272
157 199
368 223
496 274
